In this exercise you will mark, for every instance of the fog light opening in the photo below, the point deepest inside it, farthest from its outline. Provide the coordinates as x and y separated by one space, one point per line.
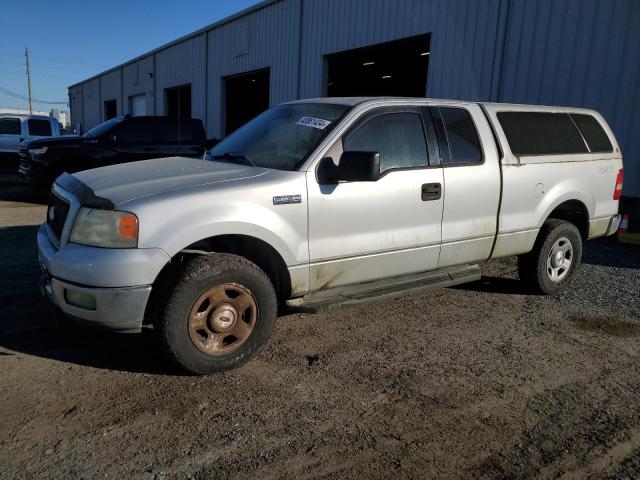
79 299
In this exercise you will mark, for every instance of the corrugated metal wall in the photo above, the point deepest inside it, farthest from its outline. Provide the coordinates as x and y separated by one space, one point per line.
181 64
273 42
564 52
138 79
111 89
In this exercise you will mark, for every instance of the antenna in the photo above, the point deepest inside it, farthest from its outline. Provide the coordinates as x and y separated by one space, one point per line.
26 59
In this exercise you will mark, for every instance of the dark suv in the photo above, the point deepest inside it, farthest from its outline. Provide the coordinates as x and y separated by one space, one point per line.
119 140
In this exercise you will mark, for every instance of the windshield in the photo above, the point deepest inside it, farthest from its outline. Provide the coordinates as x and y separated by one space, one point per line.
102 128
280 138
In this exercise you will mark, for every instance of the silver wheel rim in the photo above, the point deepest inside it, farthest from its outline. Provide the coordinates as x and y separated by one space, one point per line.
560 259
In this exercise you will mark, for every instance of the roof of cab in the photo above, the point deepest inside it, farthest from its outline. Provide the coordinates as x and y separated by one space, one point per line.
353 101
23 115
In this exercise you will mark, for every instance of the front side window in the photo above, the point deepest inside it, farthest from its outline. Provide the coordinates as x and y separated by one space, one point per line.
397 137
39 128
462 137
9 126
134 130
281 137
103 128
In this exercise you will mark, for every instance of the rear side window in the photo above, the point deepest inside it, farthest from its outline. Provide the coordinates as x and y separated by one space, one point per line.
39 128
134 130
541 133
398 137
9 126
464 144
180 131
592 132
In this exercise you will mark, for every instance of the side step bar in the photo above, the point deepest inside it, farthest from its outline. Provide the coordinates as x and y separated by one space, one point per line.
326 300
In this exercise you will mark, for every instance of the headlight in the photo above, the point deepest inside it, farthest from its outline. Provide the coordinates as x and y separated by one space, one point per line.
105 228
38 151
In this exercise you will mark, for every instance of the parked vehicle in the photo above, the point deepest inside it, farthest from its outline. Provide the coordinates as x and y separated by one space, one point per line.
119 140
322 202
14 128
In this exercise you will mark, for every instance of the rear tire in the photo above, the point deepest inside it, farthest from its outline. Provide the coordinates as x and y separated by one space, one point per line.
221 311
550 266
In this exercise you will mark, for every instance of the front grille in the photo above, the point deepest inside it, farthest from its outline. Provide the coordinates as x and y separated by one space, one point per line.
57 214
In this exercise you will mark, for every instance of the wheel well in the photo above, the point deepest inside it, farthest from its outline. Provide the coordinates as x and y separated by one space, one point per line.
253 249
573 211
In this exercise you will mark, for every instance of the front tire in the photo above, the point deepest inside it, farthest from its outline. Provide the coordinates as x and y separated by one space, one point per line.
550 266
220 313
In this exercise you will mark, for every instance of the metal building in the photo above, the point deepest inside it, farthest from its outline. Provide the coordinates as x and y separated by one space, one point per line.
581 53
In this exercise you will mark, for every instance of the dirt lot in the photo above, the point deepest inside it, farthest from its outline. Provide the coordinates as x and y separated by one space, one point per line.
484 381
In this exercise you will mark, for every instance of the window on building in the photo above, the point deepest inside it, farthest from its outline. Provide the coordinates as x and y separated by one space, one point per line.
178 101
110 109
592 132
9 126
398 137
462 137
541 133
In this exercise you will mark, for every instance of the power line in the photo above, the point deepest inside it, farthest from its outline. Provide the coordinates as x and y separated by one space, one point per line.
25 98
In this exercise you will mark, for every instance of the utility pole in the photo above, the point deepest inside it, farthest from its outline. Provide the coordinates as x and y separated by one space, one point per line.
26 57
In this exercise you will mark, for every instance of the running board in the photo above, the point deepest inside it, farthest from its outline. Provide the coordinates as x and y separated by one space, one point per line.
387 288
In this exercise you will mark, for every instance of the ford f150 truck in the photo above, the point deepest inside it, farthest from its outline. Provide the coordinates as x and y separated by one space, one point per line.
322 202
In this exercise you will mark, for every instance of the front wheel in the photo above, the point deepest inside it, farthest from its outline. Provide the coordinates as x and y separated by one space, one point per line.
221 311
549 267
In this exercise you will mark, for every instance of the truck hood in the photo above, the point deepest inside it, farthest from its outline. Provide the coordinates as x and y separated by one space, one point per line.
129 181
53 141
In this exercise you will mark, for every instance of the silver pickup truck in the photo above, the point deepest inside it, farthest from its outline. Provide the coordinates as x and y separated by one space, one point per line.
324 202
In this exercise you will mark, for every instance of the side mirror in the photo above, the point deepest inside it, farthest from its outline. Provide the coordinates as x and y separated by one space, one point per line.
353 167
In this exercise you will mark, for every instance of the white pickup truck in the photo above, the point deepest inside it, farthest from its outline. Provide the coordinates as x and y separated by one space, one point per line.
323 202
14 128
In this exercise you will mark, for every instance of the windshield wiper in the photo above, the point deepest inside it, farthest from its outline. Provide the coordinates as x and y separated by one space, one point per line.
231 156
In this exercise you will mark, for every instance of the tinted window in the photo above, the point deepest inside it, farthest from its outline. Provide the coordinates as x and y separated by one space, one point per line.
134 130
464 145
180 131
541 133
398 137
103 128
9 126
39 128
592 132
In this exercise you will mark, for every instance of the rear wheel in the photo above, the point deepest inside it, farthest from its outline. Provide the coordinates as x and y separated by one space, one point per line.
549 267
221 311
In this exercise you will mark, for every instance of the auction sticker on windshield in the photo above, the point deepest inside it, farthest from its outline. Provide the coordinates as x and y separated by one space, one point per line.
313 122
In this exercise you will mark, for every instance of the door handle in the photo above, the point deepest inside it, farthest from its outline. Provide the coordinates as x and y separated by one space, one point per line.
431 191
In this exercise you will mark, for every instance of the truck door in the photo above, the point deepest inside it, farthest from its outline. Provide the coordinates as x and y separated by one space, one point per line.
364 231
471 184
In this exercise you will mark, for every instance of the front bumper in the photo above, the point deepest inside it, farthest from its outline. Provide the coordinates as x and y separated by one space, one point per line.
115 283
118 309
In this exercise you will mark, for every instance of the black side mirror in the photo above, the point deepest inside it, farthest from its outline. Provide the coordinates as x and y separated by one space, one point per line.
353 167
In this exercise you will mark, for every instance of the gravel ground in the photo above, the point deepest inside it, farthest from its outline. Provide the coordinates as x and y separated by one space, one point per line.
480 381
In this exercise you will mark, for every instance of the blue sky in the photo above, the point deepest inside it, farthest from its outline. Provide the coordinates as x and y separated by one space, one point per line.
71 40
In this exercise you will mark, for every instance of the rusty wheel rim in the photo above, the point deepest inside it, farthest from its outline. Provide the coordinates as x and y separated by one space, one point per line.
222 319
